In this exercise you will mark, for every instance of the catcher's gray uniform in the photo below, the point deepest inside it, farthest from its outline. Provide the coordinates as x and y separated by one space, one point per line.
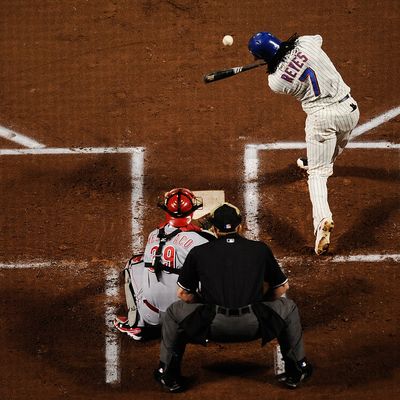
154 292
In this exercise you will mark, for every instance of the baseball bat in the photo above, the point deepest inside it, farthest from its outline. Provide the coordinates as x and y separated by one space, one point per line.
226 73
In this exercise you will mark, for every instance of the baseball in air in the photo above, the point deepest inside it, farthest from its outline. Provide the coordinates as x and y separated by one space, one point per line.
227 40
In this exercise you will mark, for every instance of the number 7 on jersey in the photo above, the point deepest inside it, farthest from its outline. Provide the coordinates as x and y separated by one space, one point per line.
309 72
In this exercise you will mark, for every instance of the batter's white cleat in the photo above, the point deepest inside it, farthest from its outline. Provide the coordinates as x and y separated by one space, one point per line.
302 163
323 236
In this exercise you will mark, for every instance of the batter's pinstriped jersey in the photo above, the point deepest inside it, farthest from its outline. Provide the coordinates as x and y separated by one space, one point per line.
308 74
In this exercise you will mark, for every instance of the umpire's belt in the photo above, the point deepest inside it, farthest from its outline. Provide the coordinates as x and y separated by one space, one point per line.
232 311
344 98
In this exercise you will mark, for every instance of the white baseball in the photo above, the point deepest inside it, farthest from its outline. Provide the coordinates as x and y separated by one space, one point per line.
227 40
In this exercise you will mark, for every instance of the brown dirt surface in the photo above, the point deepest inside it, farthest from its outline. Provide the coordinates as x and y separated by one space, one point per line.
108 73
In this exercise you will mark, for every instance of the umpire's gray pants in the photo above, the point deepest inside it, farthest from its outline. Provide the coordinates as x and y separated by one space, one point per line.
233 328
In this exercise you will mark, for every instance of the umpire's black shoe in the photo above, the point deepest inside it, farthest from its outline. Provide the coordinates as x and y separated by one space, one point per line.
294 378
169 384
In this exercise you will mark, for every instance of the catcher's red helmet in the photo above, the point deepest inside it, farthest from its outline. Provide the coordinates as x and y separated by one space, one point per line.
180 204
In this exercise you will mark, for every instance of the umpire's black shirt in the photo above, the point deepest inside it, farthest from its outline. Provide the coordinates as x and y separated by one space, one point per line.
230 271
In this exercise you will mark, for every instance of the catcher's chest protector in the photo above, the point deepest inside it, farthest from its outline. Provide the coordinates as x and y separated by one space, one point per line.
158 266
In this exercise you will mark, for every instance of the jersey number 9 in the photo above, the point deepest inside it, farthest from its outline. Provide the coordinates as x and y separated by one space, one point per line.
167 256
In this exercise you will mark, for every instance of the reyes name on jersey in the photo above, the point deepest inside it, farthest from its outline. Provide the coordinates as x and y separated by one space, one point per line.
309 75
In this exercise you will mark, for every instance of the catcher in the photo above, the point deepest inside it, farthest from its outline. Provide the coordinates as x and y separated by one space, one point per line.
150 278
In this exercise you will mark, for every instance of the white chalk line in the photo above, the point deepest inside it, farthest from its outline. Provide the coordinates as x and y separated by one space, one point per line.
251 167
43 264
112 352
375 122
251 164
251 198
26 265
252 148
137 201
367 258
15 137
72 150
112 343
112 347
112 291
354 258
113 374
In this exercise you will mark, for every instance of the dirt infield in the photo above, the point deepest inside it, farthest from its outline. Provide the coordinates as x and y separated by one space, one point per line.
113 92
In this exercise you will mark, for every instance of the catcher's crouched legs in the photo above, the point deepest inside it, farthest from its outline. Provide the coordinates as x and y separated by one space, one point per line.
132 323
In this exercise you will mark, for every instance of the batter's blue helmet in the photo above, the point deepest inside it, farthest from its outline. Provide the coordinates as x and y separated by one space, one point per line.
264 45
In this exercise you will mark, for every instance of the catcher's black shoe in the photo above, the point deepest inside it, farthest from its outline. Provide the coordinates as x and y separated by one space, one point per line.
295 377
169 383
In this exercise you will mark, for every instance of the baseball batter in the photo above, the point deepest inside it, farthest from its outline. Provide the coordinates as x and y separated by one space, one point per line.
299 67
151 279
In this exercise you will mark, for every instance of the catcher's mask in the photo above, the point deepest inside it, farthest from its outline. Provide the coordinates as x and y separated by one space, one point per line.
179 205
264 45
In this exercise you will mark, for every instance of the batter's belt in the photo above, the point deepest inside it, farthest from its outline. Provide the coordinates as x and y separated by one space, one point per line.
344 98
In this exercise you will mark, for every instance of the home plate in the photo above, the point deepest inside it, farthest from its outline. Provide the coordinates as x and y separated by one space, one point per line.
211 199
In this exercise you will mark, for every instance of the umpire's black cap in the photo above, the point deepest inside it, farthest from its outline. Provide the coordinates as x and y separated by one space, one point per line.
226 217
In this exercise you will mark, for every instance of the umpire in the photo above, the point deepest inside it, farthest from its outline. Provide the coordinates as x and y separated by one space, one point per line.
231 289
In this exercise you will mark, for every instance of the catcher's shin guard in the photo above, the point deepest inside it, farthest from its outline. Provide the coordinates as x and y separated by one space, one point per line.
130 295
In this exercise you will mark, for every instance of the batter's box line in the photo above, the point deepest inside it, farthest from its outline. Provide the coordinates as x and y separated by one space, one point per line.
363 258
367 258
72 150
251 171
137 177
112 347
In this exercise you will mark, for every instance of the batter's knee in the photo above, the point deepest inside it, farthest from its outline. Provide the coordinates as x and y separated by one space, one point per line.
320 171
